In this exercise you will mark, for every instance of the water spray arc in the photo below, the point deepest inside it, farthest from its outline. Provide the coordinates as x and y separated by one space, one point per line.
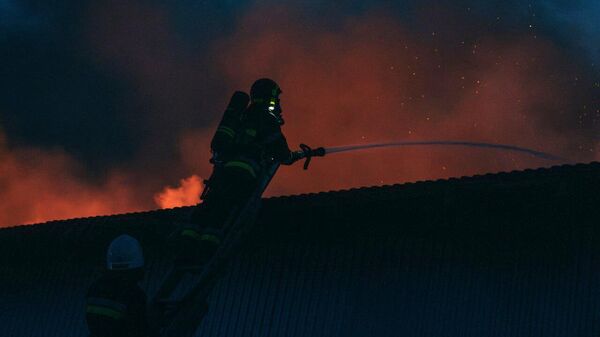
503 147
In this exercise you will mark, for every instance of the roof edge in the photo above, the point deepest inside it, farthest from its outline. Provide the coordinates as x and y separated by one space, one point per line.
592 164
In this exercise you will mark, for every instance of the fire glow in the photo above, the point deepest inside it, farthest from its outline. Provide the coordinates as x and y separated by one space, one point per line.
368 80
186 194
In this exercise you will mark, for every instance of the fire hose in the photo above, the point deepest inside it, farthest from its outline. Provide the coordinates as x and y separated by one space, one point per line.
308 153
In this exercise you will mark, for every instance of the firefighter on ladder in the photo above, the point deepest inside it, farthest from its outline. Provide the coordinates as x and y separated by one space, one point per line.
246 141
115 303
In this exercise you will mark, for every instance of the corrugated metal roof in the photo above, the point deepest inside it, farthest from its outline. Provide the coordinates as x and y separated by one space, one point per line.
511 254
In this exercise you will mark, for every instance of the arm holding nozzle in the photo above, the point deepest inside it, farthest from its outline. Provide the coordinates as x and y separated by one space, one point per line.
307 152
281 152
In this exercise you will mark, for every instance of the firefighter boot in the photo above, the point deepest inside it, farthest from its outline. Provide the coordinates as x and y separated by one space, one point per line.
197 247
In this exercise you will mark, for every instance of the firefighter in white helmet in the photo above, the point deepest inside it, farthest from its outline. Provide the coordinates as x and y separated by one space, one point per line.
116 305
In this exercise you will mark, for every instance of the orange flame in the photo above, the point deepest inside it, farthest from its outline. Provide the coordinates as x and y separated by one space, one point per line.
186 194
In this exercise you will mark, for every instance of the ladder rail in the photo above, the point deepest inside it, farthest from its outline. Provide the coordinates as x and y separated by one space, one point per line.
178 322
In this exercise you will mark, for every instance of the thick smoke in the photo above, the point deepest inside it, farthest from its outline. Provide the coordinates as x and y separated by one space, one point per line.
372 80
362 76
38 185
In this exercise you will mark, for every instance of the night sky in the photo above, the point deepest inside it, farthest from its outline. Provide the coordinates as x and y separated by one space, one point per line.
103 104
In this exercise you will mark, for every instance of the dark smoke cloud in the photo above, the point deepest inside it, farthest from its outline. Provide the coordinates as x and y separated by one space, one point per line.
136 87
372 79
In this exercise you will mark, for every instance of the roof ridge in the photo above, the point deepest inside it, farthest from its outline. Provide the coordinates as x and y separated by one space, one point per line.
440 180
513 173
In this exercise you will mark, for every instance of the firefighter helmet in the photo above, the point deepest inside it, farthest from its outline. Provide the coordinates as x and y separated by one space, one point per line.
263 90
124 253
266 92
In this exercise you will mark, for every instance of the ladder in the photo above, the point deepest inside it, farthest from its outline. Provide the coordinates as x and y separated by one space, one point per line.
187 313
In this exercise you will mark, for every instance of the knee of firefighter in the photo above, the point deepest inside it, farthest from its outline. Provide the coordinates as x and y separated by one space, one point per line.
203 239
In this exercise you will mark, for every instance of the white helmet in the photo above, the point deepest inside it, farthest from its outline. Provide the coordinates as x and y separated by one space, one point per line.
124 253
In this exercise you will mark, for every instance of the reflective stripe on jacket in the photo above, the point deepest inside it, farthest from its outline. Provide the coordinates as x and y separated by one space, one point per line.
248 165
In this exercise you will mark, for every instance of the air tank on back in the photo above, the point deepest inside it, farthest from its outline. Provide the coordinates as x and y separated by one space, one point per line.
225 135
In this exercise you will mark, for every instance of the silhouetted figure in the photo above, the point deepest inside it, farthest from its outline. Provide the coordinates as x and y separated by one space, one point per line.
116 305
247 141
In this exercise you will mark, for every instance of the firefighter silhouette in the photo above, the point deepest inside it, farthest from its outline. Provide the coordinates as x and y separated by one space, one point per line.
115 303
248 139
